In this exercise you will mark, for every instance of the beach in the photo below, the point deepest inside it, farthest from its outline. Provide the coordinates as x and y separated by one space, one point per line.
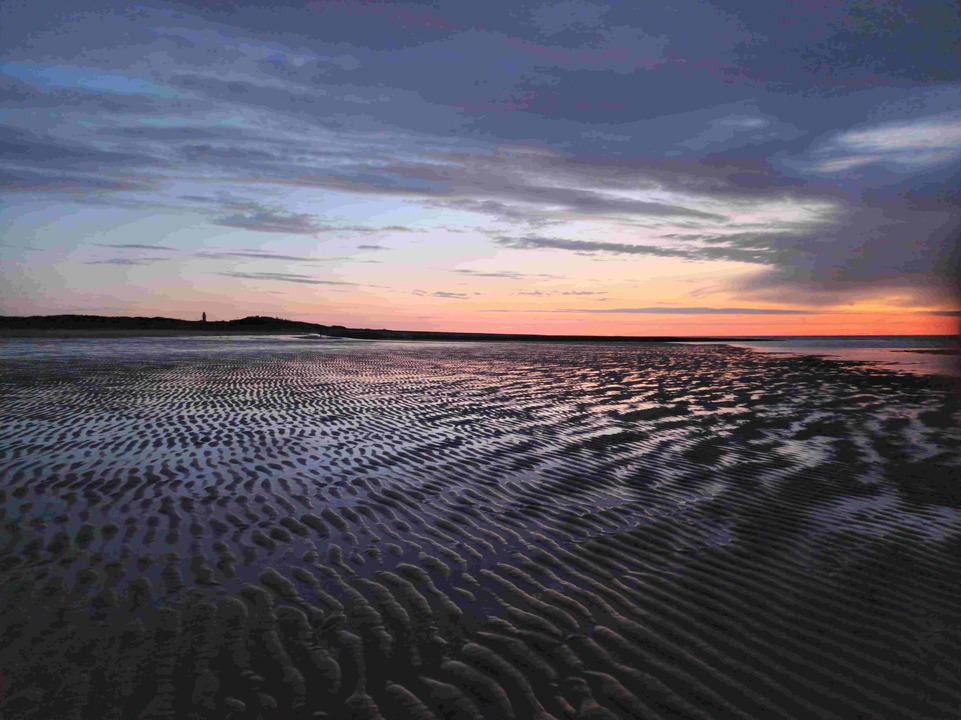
284 528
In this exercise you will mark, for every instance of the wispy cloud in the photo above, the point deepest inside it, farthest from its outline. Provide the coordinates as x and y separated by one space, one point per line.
674 311
589 247
847 162
908 145
442 294
387 228
254 255
366 230
286 277
86 77
272 222
124 261
542 293
694 311
743 128
542 187
134 246
24 180
924 135
585 246
509 274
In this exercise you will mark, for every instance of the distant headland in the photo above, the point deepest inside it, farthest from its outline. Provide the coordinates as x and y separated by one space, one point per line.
103 326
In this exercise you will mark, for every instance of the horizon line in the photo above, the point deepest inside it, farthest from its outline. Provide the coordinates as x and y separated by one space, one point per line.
694 337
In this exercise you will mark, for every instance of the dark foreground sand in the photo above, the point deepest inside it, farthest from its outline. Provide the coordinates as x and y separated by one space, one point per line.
291 530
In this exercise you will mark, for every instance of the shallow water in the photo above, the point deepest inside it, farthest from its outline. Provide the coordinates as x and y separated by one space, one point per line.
665 531
899 353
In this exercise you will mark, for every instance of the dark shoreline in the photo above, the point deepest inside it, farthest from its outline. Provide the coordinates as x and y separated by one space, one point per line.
93 326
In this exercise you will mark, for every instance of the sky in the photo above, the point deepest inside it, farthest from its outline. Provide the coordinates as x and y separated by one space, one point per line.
726 168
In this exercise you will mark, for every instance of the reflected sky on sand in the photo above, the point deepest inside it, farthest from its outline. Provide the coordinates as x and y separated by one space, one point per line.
918 354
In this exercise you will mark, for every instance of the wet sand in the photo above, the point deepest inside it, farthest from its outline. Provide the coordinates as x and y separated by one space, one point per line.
292 529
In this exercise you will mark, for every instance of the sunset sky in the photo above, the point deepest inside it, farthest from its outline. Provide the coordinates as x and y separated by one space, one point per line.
616 167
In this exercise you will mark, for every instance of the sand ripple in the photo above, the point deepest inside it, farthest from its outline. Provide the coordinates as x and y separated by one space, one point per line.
288 530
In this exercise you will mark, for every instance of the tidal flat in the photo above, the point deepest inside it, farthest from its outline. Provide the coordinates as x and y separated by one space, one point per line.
282 528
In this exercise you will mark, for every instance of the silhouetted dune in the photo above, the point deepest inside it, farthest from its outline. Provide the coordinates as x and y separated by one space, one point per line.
83 325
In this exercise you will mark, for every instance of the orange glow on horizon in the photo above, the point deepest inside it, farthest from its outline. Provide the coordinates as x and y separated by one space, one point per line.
661 325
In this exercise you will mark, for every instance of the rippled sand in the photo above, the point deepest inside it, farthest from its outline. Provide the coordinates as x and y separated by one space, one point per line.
285 529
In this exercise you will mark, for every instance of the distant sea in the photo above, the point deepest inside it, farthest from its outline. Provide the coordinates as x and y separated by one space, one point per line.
891 352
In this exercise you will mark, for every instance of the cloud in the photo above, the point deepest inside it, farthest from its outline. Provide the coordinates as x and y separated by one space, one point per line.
735 129
286 277
727 175
251 215
36 163
515 186
37 149
207 152
509 274
272 222
134 246
692 311
675 311
505 180
25 181
365 230
918 135
541 293
906 145
442 294
845 163
254 255
734 254
886 246
124 261
88 78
